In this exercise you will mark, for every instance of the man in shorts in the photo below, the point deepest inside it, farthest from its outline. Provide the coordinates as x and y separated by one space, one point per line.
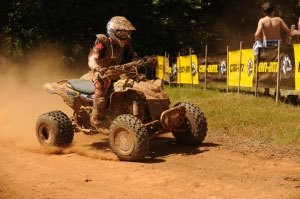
269 29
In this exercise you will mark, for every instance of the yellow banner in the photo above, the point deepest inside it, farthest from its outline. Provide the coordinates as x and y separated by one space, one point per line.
168 70
246 57
247 68
160 67
233 67
187 72
297 65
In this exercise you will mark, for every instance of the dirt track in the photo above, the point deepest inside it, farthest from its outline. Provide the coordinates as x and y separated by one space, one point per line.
89 170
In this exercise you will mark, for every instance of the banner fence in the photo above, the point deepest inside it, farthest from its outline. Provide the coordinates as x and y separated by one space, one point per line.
238 68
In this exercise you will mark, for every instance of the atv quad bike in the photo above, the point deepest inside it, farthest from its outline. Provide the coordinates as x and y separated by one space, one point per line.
137 110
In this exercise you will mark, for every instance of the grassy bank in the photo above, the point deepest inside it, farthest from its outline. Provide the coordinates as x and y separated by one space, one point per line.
244 118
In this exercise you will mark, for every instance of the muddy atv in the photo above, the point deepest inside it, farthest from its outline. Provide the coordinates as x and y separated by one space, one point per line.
137 110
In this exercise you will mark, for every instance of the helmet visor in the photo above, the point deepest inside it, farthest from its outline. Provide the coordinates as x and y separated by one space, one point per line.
123 34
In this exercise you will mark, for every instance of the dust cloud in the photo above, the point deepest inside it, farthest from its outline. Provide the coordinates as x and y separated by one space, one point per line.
23 99
92 146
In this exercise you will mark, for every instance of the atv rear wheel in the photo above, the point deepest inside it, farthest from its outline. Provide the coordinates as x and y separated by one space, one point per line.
193 130
54 129
128 137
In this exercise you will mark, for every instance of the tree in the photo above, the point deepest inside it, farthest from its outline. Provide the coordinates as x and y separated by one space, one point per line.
162 25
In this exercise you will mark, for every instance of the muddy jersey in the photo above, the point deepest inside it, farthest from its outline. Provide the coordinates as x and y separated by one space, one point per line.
105 53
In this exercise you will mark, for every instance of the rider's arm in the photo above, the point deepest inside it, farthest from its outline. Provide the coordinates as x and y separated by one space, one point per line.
94 56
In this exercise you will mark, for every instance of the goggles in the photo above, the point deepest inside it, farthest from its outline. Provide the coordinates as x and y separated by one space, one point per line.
123 34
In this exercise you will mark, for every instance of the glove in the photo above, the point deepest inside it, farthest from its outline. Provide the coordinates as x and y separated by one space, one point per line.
150 61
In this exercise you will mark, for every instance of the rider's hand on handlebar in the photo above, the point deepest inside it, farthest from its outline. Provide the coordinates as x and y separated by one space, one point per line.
150 61
102 70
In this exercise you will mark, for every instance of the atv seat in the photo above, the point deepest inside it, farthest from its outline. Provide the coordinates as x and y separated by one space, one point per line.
81 85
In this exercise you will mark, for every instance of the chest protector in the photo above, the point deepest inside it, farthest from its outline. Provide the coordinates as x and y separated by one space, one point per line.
112 54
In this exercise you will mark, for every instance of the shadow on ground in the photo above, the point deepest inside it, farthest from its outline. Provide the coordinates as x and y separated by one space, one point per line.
165 146
103 145
161 147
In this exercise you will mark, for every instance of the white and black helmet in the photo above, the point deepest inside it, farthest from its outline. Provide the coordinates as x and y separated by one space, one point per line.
119 29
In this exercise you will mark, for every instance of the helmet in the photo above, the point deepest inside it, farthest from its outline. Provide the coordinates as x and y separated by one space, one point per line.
119 29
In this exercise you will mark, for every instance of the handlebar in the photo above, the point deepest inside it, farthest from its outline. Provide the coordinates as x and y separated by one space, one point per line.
128 68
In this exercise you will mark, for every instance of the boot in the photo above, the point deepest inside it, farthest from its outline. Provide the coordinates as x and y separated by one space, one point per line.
97 115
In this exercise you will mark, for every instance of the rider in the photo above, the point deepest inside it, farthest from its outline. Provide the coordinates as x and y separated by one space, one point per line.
108 50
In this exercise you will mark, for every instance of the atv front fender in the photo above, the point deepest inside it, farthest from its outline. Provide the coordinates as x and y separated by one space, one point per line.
172 118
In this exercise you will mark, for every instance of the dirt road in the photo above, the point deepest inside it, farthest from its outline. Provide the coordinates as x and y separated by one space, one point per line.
89 169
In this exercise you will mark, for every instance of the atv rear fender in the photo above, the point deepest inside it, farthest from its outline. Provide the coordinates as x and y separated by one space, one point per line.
70 96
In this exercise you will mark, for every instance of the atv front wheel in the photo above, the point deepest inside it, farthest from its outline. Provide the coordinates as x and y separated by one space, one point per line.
54 129
128 137
194 127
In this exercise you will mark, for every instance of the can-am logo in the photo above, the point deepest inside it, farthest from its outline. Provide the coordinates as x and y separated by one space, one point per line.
286 66
223 67
250 67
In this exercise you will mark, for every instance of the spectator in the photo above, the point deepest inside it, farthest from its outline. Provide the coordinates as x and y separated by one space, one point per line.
268 31
295 33
269 27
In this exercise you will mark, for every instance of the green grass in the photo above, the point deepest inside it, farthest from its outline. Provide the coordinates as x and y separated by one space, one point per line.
243 117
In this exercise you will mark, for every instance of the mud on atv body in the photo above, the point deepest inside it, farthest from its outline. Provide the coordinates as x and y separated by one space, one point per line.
135 113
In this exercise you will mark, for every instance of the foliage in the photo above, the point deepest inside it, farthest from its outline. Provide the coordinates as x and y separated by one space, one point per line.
165 24
162 25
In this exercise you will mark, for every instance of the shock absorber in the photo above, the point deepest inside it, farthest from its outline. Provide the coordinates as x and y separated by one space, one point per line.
135 108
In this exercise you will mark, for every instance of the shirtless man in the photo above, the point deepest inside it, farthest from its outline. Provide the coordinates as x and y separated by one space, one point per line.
297 32
269 30
269 27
